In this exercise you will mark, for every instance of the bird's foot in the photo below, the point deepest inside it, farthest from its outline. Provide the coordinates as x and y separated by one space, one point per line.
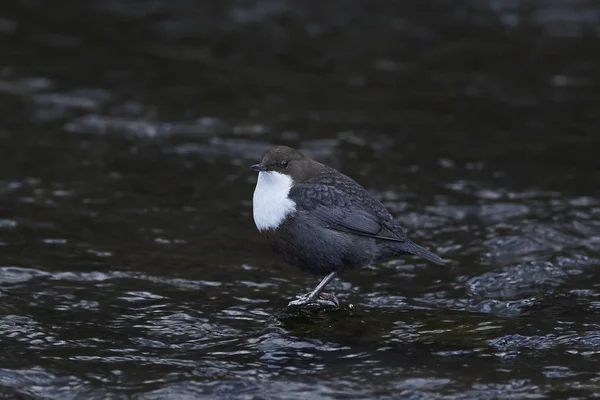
323 300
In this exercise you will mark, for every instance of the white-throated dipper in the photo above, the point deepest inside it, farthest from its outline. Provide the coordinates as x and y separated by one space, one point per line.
321 220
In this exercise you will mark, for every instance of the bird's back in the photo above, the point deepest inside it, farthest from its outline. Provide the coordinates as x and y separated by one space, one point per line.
356 194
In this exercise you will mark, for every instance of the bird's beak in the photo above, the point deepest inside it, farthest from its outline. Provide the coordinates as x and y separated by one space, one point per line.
258 167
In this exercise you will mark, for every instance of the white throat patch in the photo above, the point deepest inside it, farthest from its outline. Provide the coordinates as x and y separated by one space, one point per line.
271 204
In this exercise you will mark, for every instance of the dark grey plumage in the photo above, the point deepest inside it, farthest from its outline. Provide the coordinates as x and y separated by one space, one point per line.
337 224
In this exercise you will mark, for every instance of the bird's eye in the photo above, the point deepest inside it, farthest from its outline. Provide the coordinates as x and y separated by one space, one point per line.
284 164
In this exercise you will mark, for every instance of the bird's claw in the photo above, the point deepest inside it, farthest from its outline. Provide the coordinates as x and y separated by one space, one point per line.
323 300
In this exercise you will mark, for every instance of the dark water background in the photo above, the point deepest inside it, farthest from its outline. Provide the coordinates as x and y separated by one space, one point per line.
130 265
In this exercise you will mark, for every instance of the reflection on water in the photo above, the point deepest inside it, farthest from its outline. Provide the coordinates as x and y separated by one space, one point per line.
130 266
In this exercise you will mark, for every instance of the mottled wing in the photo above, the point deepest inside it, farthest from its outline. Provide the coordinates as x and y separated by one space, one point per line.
336 210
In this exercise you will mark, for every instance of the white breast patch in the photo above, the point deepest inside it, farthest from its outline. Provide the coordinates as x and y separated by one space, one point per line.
271 205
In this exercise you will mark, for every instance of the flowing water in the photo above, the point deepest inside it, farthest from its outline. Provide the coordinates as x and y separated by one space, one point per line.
129 263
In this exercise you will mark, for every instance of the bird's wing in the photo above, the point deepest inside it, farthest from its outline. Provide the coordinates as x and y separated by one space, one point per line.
336 210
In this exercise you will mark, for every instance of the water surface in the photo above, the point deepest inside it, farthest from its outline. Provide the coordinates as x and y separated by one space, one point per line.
129 263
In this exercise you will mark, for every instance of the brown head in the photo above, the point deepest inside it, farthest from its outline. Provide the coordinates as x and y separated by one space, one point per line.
288 161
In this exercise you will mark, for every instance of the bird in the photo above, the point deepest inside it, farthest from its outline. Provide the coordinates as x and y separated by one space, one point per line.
323 221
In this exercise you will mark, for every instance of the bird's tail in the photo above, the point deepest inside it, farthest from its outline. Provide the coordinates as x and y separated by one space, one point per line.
417 250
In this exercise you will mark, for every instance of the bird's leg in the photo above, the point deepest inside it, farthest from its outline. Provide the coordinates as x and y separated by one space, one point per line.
313 297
